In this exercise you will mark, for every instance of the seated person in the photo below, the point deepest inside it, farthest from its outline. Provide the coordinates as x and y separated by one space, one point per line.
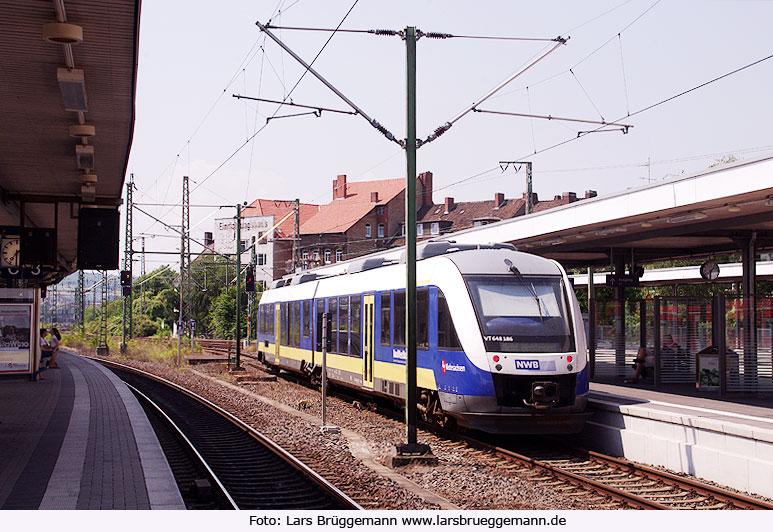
644 359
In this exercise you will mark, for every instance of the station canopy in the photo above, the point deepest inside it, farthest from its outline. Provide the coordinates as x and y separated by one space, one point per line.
710 212
67 96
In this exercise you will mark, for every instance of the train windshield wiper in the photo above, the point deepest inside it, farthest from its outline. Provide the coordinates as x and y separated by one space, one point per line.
514 269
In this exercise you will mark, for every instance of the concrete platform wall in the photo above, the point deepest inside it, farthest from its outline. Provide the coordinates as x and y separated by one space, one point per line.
733 452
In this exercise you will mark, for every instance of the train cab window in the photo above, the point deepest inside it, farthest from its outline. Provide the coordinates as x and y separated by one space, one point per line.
422 318
332 320
356 312
399 340
386 318
343 325
297 324
526 314
446 332
284 323
306 319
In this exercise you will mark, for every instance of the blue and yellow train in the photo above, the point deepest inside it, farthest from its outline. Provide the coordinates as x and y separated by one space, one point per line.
501 344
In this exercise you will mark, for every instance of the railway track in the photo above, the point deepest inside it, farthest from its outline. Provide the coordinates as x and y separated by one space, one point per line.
608 481
624 484
237 466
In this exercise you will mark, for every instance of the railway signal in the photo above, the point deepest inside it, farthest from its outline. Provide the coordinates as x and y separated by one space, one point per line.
249 279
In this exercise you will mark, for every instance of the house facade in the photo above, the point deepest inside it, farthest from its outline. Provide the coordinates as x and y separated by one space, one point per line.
273 245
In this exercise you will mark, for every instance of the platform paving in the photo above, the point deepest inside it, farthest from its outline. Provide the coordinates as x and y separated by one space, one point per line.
79 440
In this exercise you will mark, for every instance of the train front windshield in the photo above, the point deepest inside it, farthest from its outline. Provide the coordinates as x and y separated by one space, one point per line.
526 315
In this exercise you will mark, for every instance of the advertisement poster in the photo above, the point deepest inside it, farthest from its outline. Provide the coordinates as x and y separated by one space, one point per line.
708 372
15 338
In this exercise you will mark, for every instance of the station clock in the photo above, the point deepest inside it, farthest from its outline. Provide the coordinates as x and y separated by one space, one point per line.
9 251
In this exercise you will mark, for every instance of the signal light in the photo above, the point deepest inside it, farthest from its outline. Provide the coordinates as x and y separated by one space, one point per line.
496 358
43 291
126 278
569 358
249 279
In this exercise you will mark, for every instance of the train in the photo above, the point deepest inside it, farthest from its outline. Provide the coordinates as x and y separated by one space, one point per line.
500 339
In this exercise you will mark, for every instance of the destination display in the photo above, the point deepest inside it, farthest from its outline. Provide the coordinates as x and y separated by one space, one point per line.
16 338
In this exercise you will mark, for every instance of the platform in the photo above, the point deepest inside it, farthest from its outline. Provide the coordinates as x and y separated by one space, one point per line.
79 440
727 441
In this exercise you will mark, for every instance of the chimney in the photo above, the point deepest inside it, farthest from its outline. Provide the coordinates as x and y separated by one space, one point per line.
557 197
590 194
208 240
568 197
424 190
449 204
339 187
374 197
534 199
499 199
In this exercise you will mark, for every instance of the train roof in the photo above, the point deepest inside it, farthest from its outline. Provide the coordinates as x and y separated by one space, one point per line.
468 258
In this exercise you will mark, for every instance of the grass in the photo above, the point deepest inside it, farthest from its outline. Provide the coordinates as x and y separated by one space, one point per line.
152 349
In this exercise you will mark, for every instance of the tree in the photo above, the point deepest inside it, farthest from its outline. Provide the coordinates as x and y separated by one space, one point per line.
222 314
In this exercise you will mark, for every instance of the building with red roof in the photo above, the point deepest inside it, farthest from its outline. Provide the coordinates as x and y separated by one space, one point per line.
364 217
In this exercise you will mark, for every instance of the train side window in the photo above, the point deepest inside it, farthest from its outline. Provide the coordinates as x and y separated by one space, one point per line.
283 323
422 318
446 332
356 312
332 320
297 324
343 325
399 318
271 319
307 319
386 318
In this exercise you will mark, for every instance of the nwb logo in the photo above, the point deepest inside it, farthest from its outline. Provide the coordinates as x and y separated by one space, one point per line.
527 364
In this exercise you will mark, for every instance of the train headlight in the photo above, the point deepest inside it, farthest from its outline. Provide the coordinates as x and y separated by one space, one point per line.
499 367
569 367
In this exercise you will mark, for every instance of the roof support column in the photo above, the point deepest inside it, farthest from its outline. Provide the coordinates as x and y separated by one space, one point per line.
619 261
591 323
748 282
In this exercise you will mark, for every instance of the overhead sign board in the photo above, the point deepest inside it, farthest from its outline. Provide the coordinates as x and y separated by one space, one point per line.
623 281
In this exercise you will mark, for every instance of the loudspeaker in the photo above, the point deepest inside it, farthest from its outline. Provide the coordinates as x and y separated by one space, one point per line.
37 246
98 239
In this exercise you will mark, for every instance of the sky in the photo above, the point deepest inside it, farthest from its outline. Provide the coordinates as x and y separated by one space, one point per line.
621 56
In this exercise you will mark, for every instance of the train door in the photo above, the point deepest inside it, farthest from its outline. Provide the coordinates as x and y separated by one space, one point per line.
368 347
277 329
318 312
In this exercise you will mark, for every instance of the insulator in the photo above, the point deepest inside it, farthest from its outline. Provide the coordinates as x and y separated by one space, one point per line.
437 35
384 32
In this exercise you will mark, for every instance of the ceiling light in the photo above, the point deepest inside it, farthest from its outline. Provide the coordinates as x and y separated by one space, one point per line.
611 230
84 155
62 33
88 193
82 130
72 83
734 208
769 202
646 224
89 179
689 217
